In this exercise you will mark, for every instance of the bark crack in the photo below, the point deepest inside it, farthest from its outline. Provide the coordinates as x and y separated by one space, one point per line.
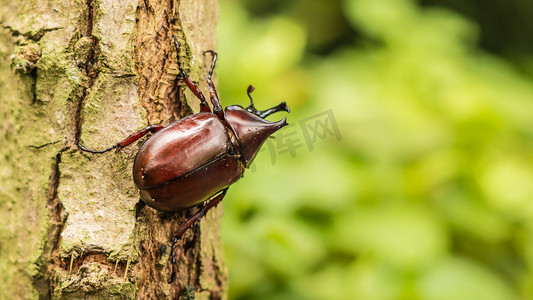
161 93
36 36
57 218
90 69
49 261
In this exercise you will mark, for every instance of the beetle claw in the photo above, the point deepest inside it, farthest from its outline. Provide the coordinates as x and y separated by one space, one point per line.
173 271
213 62
83 148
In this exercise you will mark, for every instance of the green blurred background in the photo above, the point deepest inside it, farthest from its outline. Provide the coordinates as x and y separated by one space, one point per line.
426 189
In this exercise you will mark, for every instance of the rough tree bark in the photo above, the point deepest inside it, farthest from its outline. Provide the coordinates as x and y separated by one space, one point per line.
71 224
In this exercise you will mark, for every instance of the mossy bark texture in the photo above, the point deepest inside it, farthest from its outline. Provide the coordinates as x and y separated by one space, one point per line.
71 224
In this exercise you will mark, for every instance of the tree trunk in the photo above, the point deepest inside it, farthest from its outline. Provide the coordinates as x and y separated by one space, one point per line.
71 224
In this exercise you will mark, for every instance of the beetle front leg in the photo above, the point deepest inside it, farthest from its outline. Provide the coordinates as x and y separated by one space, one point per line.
127 141
215 200
217 109
204 107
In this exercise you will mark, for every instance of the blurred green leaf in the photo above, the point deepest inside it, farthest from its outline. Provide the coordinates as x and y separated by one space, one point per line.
410 238
425 193
458 279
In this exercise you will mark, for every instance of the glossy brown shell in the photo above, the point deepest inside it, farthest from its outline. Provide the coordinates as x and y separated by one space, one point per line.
185 163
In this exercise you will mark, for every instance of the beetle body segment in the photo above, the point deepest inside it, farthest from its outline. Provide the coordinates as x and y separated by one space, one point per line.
186 162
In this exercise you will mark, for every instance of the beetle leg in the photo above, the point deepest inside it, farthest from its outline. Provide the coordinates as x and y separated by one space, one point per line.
217 109
127 141
196 225
175 240
215 200
267 112
204 107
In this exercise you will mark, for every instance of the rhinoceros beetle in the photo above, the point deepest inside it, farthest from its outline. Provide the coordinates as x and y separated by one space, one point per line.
194 160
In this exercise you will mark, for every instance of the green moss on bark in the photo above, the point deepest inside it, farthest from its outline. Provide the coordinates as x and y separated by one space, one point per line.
72 226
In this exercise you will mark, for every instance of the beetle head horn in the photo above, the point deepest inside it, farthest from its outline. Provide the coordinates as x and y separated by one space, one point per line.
267 112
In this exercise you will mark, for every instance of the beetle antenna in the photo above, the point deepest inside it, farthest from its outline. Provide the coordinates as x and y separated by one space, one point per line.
249 91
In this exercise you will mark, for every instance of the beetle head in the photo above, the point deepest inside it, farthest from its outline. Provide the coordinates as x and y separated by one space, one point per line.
251 128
